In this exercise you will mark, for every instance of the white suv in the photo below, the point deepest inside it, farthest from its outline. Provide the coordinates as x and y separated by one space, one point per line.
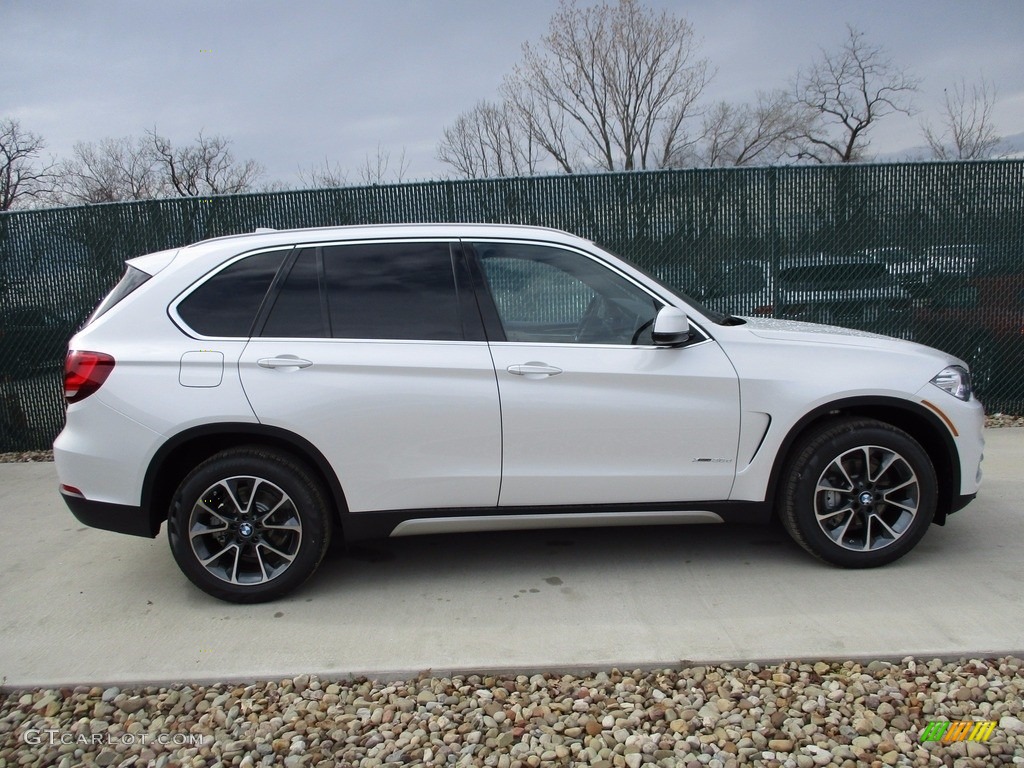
264 393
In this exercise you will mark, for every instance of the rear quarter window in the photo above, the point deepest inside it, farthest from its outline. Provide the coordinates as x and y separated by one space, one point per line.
132 279
226 304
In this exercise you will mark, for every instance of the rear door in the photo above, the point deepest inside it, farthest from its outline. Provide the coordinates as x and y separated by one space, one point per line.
374 352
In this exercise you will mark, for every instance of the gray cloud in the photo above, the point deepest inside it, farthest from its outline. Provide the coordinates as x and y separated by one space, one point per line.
292 83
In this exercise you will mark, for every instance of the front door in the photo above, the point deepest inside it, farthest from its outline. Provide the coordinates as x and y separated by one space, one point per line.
592 412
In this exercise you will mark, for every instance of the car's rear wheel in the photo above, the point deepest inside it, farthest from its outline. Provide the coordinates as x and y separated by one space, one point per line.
249 525
858 493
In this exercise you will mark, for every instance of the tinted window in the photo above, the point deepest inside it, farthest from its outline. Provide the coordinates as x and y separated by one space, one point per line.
227 303
132 279
837 276
297 311
743 277
31 316
392 291
546 294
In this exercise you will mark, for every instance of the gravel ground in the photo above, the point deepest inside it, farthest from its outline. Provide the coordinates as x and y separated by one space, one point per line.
793 715
997 420
24 457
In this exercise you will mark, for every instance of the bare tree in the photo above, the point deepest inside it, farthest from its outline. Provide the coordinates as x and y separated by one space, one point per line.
111 170
374 170
749 134
276 185
205 167
610 87
23 174
147 167
325 175
489 141
965 130
845 94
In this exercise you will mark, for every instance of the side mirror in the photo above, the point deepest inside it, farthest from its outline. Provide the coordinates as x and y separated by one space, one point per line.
671 328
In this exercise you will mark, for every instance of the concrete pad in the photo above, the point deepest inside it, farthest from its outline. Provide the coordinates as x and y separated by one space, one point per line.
81 605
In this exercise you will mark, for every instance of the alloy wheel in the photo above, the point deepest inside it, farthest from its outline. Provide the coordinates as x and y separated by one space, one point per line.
866 498
245 530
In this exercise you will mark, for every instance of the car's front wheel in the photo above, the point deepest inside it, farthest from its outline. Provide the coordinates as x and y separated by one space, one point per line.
858 493
248 525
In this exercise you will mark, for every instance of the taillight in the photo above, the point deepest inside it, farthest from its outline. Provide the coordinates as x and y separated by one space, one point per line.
84 373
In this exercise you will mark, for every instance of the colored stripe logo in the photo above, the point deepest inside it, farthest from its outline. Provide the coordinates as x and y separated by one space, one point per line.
958 730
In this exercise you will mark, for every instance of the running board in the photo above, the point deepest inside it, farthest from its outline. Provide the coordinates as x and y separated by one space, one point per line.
479 523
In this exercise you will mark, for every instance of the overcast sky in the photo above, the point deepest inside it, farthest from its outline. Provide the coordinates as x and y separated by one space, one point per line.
294 82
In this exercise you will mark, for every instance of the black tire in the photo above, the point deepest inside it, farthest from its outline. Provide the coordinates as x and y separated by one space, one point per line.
249 525
858 493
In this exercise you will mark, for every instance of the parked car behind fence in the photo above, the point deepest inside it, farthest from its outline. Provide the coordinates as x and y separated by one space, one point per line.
32 340
911 271
850 291
957 260
981 320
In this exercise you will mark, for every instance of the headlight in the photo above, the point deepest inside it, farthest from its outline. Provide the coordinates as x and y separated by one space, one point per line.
955 380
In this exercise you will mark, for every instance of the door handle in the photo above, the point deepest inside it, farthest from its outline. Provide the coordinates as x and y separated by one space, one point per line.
283 361
537 370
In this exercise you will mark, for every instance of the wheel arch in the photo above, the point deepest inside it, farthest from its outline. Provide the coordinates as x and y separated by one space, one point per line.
922 424
186 450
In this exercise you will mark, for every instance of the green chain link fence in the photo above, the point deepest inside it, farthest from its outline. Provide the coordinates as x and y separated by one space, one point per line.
932 252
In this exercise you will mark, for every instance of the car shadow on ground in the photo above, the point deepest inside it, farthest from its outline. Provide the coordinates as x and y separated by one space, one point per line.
465 563
485 556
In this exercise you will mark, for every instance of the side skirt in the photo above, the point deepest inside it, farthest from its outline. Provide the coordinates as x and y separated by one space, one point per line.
360 526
